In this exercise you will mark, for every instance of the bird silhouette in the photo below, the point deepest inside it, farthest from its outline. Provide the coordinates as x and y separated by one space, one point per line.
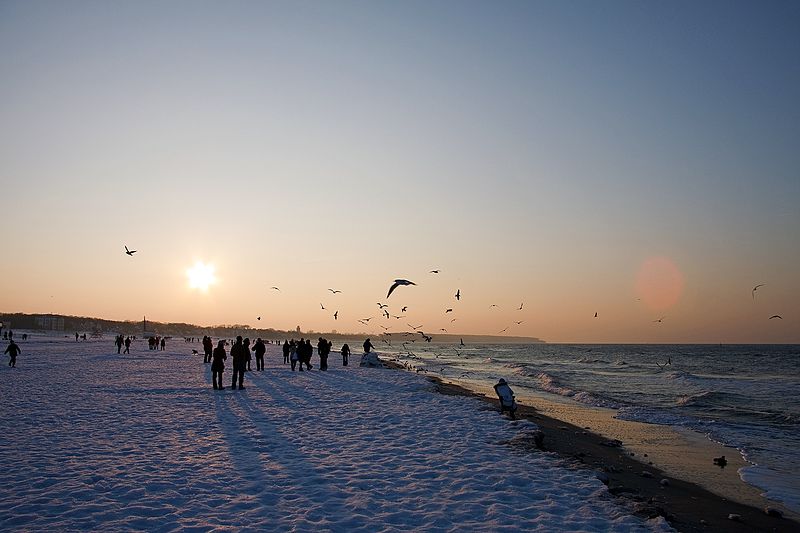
415 328
519 322
129 252
322 306
520 306
275 288
258 318
776 316
397 283
659 320
453 319
403 310
753 292
334 291
462 342
336 315
386 313
493 305
448 311
458 294
381 306
442 329
434 271
595 314
503 330
366 319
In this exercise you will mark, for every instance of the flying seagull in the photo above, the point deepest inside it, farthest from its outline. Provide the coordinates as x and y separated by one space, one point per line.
753 292
381 306
334 291
403 310
322 306
275 288
448 311
493 305
595 314
336 315
442 329
434 271
776 316
520 322
520 306
415 328
365 319
258 318
386 313
129 252
397 283
458 294
503 330
660 319
462 342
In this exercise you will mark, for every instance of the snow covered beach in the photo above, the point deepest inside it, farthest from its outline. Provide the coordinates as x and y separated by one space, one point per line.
94 440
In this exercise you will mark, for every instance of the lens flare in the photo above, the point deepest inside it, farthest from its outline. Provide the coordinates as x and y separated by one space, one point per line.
659 283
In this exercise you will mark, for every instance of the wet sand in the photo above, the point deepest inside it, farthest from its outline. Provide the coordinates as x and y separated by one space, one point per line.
697 495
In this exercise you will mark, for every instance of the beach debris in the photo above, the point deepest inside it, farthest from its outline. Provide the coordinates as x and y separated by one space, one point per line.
664 482
735 517
720 461
771 511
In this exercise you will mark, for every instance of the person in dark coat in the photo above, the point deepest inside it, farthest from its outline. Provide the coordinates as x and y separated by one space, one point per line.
322 346
286 351
239 361
218 365
367 346
208 348
13 351
118 341
345 354
309 351
127 345
260 349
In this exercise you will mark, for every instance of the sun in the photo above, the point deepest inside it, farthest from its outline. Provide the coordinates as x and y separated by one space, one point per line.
200 276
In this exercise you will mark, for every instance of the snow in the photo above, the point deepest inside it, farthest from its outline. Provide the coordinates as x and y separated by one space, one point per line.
92 440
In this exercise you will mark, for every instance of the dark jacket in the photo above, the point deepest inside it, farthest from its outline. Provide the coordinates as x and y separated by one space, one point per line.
219 357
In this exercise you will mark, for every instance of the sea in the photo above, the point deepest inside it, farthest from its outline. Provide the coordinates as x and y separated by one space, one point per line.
743 396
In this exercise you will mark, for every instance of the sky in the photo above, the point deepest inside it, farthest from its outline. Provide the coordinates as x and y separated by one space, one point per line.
637 161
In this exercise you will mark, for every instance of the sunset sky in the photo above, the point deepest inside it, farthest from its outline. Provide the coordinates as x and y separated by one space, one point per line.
638 160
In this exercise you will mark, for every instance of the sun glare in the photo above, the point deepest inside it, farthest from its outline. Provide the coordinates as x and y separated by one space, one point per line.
200 276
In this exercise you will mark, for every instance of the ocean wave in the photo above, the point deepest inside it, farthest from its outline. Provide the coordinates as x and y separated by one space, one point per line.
589 360
700 398
679 374
550 384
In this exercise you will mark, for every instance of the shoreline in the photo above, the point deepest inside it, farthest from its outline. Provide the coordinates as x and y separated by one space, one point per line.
649 454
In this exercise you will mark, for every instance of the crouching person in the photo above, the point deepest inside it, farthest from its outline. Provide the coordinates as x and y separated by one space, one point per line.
506 396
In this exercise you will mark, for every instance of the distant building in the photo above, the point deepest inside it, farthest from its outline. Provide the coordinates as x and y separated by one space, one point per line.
50 323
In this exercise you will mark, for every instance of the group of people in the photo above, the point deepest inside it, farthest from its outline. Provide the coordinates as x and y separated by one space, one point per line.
241 357
153 343
119 340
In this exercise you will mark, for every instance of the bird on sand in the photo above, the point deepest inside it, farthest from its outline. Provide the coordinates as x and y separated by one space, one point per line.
776 316
397 283
129 252
334 291
720 461
753 292
458 294
336 315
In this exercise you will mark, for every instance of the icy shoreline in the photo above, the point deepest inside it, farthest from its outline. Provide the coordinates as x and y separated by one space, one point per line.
94 440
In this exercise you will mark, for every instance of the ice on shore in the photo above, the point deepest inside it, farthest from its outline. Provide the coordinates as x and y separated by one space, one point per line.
92 440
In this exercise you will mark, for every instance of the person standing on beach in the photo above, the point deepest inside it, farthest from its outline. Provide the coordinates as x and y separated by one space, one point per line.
367 346
293 354
286 350
237 356
345 354
118 341
249 356
260 349
309 351
13 351
127 345
208 347
163 342
323 356
218 365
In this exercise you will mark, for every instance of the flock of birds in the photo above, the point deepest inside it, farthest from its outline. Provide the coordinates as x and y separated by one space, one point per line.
399 282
